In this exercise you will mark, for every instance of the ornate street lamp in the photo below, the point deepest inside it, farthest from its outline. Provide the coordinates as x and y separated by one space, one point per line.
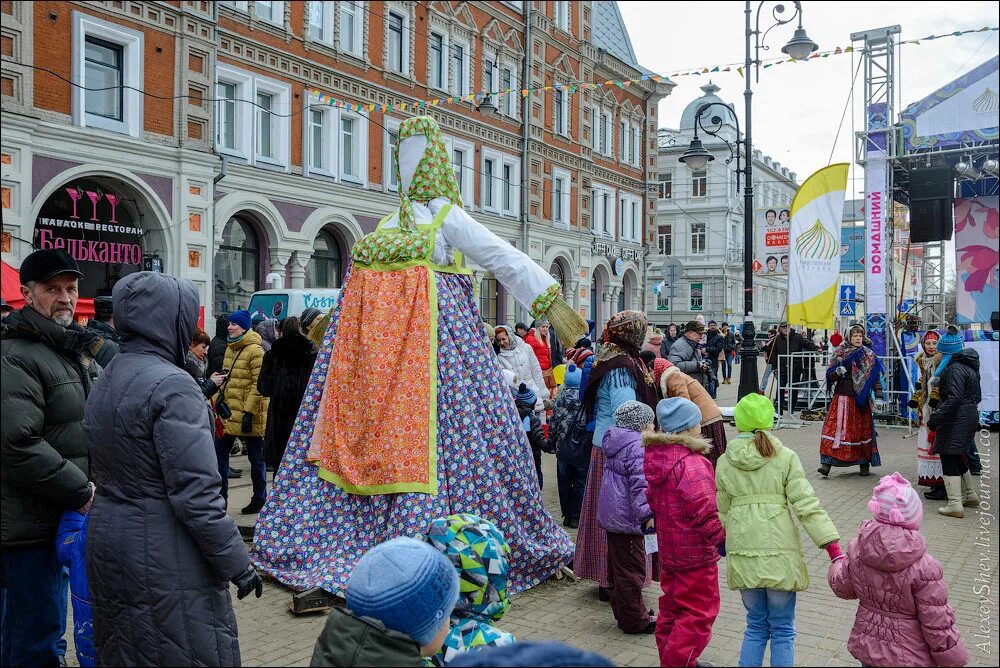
798 48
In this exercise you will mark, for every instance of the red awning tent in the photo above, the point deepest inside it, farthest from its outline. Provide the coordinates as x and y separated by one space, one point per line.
10 287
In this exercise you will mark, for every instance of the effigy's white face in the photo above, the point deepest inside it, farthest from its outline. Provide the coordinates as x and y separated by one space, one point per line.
411 150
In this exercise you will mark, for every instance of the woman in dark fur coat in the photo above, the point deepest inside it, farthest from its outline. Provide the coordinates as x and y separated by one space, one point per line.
283 377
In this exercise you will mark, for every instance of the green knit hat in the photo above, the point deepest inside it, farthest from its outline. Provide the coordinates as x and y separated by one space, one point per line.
754 412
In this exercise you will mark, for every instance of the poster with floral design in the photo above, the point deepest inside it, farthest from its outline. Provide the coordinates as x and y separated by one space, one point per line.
977 261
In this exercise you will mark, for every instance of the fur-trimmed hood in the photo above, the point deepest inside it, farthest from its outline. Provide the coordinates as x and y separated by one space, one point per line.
693 444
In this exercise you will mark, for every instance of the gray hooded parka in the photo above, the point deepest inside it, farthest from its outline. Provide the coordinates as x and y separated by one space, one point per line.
161 548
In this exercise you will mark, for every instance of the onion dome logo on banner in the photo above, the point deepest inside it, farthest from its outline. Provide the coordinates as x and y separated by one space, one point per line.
817 243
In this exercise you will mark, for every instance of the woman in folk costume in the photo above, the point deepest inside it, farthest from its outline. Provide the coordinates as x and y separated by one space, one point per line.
396 431
928 464
618 376
849 437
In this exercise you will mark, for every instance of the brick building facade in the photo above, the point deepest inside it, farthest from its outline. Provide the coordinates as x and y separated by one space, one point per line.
196 133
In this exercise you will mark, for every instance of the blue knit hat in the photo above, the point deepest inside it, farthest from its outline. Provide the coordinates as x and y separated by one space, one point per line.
407 585
948 345
243 319
573 376
525 395
677 414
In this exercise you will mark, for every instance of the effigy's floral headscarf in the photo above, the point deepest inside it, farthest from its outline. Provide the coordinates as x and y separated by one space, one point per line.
434 176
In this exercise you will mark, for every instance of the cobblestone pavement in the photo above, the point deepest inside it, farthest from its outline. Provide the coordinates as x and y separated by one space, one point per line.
570 612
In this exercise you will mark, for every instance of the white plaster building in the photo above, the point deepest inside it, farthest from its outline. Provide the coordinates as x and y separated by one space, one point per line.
699 220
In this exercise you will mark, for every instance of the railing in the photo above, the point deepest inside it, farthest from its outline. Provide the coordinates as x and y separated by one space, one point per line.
805 377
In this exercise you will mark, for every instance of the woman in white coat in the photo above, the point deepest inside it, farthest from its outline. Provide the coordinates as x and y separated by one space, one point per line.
517 356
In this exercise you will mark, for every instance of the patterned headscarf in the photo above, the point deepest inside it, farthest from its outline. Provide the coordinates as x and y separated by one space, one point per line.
625 332
481 556
434 176
862 363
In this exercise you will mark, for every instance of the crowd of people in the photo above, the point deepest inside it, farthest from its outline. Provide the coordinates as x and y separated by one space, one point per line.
110 487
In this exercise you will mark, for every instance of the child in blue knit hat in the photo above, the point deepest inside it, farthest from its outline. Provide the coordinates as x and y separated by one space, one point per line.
525 399
572 447
400 596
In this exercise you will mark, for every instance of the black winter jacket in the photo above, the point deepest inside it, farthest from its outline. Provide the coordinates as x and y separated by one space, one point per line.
47 372
956 417
217 346
112 341
283 377
160 547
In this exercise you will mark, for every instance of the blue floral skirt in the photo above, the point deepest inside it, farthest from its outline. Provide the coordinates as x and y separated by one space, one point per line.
311 533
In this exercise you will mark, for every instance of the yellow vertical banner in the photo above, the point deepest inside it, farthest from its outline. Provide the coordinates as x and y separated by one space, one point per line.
814 247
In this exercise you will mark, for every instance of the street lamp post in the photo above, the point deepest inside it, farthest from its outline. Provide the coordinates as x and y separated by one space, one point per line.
696 157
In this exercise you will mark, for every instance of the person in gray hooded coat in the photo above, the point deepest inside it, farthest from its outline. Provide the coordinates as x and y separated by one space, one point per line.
160 546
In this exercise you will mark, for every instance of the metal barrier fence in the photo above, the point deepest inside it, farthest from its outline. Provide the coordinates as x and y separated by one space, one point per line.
801 378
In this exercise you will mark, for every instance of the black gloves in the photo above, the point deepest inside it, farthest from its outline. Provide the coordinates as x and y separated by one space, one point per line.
912 403
246 582
721 547
247 423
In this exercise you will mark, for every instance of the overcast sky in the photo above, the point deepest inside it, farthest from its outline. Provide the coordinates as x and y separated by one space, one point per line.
797 107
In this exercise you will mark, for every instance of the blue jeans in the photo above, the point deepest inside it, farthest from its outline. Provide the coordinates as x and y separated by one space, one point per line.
258 469
32 616
768 370
727 366
770 616
572 481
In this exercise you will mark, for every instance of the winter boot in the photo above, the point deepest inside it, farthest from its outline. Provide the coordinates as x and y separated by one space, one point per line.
936 493
824 469
953 485
969 497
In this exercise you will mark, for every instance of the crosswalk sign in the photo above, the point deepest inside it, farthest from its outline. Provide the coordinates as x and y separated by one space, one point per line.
848 308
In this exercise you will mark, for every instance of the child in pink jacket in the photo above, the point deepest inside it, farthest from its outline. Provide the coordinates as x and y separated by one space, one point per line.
681 493
903 618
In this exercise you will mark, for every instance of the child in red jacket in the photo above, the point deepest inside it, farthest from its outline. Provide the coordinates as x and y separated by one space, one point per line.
681 493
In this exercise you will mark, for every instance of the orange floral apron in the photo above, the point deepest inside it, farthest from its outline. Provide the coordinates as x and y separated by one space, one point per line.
376 431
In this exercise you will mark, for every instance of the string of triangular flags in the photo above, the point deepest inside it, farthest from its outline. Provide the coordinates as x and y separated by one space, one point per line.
329 100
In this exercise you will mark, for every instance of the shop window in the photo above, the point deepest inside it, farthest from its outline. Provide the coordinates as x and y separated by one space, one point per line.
325 268
108 63
237 266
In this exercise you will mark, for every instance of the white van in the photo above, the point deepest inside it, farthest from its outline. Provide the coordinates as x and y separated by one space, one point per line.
280 304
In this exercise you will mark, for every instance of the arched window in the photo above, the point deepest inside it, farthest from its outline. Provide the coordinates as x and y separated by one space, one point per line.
326 266
557 273
237 266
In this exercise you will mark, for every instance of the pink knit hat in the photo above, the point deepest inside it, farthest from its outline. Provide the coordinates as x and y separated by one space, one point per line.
894 501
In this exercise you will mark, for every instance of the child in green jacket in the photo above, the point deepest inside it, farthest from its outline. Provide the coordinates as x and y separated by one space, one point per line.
757 479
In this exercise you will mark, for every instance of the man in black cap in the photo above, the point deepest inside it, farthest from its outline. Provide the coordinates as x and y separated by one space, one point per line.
103 325
788 342
686 354
47 373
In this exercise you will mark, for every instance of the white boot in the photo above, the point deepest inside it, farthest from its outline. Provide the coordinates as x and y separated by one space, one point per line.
953 485
969 497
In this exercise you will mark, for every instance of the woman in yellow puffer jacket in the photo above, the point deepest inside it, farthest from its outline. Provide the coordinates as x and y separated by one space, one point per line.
244 357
